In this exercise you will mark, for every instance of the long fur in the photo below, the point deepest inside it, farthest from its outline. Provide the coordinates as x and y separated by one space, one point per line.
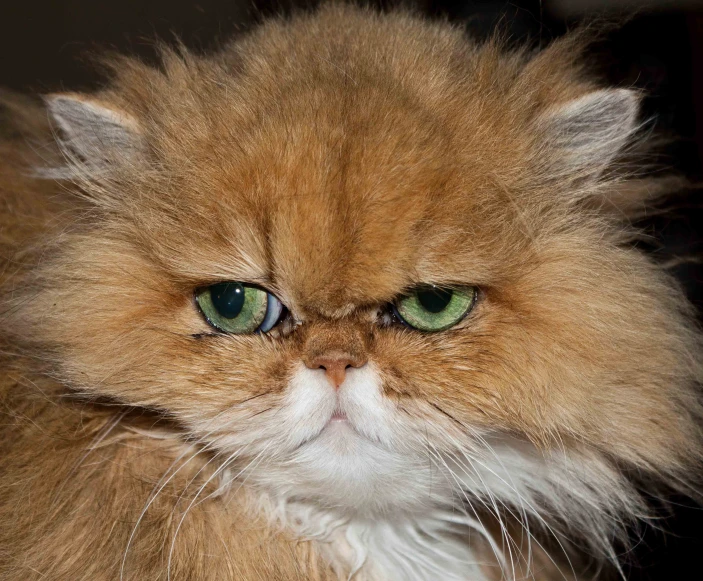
336 159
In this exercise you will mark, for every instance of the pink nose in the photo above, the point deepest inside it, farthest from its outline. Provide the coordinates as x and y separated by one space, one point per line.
335 365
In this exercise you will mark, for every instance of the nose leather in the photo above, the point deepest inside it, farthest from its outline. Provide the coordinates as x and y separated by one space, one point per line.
334 347
335 365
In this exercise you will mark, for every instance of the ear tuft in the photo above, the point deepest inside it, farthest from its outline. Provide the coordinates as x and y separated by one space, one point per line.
95 133
591 131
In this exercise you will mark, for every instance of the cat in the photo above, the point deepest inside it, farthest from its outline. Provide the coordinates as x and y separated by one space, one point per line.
352 298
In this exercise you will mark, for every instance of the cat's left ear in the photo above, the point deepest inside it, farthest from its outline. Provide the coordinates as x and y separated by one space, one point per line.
588 133
96 133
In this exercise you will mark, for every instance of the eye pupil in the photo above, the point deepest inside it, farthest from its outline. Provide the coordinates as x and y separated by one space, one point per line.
228 299
434 300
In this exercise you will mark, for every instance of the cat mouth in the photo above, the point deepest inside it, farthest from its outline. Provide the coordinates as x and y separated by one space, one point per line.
339 422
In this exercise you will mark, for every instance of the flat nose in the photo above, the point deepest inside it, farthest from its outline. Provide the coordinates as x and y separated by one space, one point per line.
335 365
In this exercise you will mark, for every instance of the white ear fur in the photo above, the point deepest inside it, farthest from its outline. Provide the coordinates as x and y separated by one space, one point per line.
592 130
91 131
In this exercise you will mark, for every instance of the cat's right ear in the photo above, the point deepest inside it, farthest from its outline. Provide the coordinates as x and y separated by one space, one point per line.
91 132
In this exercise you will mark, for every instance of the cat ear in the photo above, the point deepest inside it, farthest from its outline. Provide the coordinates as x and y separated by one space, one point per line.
95 133
591 131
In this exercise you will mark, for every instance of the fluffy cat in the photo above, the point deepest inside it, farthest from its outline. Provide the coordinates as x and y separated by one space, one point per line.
352 298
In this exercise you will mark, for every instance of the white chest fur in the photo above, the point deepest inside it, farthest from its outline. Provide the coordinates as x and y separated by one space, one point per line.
429 548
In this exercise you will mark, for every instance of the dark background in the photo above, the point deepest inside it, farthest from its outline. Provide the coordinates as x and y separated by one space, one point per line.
657 46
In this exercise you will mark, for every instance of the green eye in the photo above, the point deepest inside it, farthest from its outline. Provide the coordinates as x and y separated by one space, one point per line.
234 307
431 308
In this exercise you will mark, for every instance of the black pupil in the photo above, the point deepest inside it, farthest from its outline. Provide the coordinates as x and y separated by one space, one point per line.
227 298
434 300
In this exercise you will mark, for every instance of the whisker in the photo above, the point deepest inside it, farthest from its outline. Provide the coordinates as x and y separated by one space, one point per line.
224 465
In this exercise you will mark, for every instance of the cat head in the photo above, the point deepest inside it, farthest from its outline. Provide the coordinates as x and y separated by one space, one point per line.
374 266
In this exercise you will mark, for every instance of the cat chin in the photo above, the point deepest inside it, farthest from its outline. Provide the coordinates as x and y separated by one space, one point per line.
346 472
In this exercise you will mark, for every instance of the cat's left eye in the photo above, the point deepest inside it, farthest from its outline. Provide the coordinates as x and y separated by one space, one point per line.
431 308
235 307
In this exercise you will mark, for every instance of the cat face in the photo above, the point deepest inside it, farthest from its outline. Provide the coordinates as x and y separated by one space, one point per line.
340 184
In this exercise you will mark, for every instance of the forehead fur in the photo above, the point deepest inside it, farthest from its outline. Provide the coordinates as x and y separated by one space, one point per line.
340 165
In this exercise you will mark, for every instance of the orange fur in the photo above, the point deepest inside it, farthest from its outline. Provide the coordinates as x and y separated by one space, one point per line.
337 160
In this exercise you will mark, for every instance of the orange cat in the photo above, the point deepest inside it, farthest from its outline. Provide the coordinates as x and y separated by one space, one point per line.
352 298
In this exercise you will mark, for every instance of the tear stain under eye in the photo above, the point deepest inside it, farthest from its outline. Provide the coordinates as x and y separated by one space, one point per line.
199 336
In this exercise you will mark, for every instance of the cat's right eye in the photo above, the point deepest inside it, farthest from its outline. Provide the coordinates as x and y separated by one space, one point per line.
239 308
